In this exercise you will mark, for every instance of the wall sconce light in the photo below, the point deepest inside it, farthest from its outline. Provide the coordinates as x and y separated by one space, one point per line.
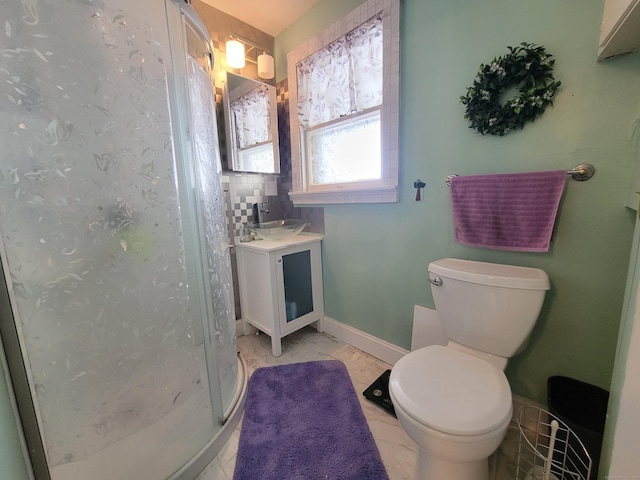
235 54
265 66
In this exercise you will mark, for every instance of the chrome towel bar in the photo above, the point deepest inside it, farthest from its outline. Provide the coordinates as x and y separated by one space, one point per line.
581 172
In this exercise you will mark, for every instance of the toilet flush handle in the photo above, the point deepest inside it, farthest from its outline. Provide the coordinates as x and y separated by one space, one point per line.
437 281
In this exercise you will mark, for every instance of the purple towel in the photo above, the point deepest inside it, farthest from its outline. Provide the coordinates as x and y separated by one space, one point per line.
513 211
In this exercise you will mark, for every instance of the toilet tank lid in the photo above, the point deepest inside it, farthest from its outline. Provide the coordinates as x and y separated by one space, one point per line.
494 274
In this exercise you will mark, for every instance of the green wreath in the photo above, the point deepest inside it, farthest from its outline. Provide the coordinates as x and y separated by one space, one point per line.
527 67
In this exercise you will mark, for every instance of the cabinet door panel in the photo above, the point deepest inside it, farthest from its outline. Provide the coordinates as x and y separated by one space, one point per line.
298 288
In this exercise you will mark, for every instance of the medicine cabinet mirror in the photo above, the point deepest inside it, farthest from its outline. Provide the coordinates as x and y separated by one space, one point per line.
251 123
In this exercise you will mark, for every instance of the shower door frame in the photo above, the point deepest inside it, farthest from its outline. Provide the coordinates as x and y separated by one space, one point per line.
34 456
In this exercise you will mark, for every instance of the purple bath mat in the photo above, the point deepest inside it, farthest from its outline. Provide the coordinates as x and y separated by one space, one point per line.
303 421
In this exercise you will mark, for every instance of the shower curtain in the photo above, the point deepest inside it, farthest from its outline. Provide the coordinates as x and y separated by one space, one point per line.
113 237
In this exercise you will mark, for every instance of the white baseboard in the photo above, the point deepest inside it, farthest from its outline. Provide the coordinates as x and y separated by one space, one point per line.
385 351
239 329
374 346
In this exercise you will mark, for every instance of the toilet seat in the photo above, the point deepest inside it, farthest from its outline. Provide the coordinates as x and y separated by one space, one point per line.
451 391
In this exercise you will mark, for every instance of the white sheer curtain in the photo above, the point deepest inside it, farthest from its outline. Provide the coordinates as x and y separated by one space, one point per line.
251 117
343 78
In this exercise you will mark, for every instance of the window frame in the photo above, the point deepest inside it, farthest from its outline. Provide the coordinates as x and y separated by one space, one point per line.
384 190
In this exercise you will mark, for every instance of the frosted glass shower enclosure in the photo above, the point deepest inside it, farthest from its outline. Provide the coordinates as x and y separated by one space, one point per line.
117 313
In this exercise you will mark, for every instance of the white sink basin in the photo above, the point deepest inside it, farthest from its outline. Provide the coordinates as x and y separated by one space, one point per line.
278 229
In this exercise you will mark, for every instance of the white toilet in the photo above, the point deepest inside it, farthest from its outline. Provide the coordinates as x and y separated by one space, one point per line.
455 401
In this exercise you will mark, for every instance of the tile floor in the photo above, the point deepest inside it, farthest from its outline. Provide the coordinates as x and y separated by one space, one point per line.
396 448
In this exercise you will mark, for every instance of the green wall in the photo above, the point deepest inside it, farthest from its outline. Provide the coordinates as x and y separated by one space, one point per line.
375 257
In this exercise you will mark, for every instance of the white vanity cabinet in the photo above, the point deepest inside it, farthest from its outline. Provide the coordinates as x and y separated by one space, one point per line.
281 286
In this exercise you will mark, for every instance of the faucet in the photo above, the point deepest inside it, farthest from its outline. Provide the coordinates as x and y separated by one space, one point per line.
258 211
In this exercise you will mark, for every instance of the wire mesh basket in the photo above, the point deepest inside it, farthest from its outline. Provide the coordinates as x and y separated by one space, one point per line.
548 449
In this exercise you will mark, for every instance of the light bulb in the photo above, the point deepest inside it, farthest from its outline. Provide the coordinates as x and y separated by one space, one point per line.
235 54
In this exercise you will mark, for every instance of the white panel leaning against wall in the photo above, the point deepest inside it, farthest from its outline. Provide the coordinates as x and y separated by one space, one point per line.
344 109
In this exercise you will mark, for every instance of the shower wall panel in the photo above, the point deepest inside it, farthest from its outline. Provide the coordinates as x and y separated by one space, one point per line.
90 221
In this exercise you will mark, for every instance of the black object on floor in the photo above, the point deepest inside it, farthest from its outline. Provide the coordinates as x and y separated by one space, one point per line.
583 407
378 393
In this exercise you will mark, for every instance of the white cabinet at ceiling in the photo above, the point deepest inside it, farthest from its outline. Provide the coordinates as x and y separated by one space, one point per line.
620 30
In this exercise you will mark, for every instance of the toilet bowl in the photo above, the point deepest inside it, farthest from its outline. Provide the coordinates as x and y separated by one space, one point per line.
455 407
455 401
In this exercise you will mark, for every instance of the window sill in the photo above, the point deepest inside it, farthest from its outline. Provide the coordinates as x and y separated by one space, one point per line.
372 195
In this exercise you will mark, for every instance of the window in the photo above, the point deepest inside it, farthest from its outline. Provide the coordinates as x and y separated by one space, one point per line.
344 96
347 151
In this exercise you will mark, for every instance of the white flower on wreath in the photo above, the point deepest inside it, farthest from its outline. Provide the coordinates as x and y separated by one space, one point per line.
485 94
495 68
548 95
492 121
536 101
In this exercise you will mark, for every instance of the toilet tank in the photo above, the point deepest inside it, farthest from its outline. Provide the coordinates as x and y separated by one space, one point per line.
487 306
